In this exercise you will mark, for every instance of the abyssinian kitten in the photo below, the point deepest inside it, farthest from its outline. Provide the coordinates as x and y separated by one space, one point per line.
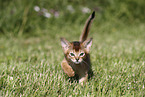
77 58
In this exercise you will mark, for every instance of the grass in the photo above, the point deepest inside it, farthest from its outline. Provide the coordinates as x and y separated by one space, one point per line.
30 65
31 54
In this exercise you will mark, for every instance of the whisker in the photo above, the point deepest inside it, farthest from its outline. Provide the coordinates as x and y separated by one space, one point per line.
86 63
82 65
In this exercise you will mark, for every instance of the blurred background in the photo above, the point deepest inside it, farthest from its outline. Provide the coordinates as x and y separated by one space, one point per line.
37 17
31 54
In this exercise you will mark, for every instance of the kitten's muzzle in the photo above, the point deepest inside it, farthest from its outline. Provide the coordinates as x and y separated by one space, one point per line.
77 59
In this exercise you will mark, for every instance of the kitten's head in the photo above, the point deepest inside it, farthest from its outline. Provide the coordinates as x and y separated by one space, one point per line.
76 51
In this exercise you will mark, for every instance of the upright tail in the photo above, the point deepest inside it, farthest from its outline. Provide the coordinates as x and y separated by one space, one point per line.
85 32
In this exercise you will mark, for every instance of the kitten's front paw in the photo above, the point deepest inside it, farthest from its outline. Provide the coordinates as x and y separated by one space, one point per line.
67 69
71 73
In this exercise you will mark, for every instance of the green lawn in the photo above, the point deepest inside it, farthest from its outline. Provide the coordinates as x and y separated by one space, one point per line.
30 65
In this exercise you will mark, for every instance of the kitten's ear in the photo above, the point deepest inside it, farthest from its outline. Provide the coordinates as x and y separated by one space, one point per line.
65 44
87 44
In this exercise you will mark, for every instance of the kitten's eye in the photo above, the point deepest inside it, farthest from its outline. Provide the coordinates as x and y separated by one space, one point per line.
82 54
71 54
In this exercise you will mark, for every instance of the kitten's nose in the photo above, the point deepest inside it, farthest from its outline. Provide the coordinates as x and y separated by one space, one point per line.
77 59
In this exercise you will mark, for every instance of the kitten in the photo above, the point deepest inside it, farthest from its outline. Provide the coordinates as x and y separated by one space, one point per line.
77 57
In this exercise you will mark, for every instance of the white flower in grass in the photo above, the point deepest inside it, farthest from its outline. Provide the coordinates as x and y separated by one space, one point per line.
56 14
47 14
36 8
86 10
70 8
43 11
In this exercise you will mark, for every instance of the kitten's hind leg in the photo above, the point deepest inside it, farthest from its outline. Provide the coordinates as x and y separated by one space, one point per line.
67 68
83 79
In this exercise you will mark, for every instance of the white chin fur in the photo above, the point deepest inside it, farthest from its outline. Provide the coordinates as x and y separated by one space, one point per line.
76 62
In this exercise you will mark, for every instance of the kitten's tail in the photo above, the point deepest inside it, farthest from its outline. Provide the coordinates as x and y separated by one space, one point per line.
85 32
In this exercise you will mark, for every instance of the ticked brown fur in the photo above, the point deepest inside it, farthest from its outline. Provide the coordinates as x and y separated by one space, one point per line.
77 58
